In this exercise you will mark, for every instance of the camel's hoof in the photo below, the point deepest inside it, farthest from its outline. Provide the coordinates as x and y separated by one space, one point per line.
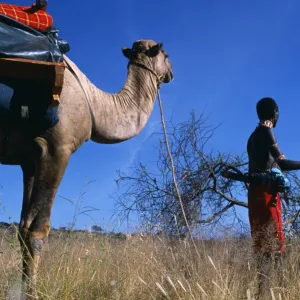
29 296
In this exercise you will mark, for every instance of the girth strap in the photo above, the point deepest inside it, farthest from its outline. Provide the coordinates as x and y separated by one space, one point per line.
86 96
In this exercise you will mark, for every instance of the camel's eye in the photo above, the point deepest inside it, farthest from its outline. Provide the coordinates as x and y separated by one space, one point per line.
165 54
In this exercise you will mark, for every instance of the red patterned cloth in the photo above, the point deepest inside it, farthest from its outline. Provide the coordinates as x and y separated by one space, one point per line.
265 220
28 15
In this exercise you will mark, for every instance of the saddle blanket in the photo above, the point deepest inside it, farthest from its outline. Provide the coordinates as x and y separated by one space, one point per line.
21 41
28 15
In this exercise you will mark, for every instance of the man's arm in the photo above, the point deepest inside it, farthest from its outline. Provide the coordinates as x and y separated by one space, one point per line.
288 165
283 163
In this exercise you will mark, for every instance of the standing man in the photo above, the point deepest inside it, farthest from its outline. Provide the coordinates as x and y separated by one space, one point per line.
265 204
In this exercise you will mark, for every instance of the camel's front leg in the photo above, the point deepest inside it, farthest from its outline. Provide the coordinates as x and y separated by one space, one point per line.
35 224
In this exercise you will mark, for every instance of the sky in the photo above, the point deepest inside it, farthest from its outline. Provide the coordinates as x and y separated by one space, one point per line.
226 55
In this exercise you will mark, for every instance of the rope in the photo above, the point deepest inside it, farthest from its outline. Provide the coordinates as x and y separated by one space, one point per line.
173 171
158 85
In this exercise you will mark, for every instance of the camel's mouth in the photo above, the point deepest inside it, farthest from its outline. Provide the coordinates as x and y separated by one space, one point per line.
168 77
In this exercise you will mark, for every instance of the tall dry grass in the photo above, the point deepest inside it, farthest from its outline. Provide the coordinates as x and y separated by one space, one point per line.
83 266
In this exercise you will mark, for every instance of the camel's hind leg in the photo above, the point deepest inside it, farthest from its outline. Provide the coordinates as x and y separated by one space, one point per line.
28 179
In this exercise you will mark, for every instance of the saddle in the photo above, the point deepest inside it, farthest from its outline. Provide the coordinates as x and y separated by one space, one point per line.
29 47
33 70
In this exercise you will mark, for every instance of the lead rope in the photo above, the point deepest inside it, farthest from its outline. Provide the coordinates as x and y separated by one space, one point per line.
173 170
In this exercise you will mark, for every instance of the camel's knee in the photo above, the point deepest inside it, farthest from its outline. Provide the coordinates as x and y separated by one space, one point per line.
36 245
32 241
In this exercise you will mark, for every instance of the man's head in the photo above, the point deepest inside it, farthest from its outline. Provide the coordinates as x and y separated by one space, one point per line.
267 109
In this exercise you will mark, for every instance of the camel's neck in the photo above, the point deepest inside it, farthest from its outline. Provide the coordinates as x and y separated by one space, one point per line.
121 116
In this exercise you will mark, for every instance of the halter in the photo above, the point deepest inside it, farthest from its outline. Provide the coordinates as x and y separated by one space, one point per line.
158 79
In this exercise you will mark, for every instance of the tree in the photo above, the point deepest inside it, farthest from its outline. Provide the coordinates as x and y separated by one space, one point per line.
97 229
207 198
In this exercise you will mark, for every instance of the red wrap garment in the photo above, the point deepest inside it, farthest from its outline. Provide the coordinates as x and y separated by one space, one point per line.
265 220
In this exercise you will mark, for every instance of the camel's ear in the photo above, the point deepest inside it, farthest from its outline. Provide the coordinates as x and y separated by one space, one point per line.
127 52
154 50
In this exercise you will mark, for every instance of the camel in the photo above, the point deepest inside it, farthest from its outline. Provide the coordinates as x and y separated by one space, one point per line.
85 113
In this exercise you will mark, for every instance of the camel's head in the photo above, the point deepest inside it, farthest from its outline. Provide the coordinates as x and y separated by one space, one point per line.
152 56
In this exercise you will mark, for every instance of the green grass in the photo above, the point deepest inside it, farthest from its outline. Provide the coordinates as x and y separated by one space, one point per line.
82 266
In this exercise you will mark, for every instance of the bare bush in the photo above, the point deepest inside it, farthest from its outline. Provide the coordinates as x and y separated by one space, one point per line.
208 198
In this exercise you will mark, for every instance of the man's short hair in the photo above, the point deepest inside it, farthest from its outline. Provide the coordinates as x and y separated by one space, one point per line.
266 108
